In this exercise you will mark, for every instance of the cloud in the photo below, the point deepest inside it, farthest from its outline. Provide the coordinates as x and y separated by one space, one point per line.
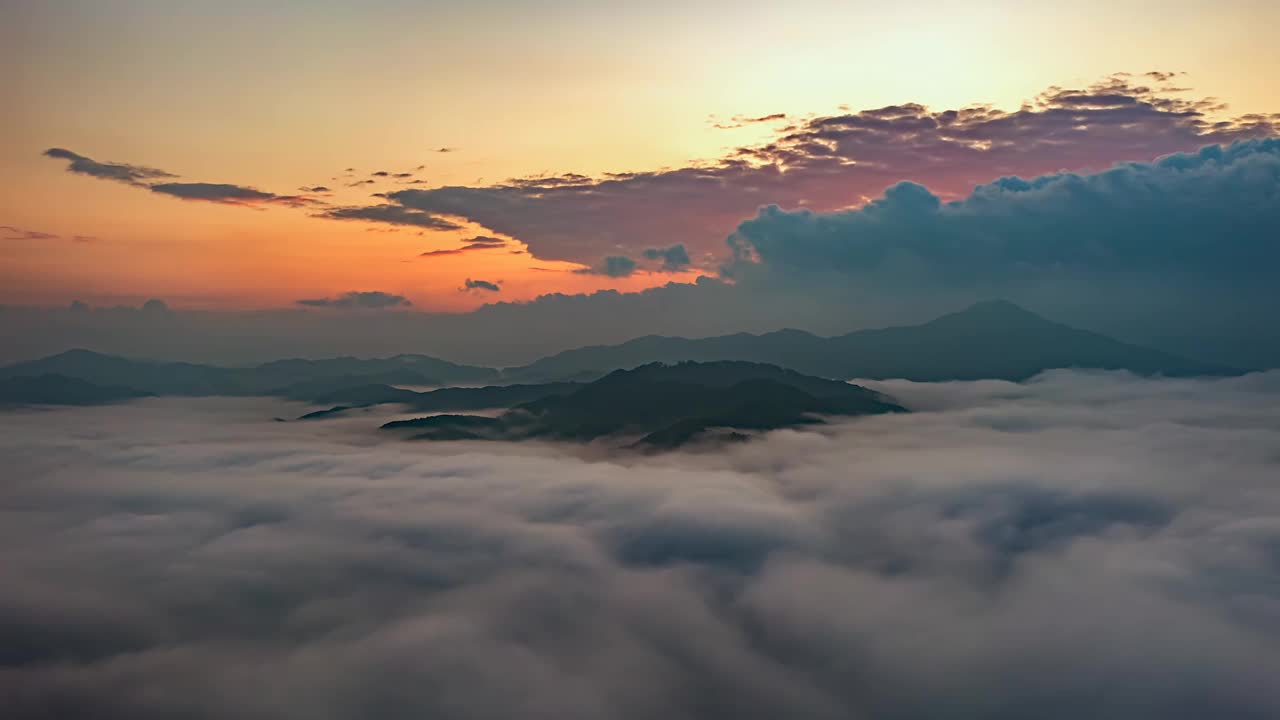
371 300
121 172
16 233
446 150
11 232
137 175
315 189
381 173
226 194
1082 545
674 258
479 242
613 266
481 285
393 214
1208 219
835 162
742 121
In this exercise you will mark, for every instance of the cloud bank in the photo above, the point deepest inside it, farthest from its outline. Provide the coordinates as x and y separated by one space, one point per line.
840 161
1082 545
1210 217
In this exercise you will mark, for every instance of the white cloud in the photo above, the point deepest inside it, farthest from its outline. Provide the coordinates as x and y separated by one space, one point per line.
1082 545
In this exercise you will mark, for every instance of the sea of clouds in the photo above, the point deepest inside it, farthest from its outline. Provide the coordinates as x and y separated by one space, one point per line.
1080 545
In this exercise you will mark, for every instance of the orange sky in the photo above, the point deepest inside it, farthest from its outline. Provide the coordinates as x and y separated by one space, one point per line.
290 95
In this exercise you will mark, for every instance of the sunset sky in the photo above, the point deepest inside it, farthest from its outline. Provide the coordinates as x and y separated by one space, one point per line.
174 149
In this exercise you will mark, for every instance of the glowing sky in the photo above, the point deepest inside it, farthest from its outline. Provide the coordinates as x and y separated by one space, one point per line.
287 95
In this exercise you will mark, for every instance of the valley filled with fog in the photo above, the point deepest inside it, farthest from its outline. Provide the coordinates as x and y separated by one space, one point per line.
1082 544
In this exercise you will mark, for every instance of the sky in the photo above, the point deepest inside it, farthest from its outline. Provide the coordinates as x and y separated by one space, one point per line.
238 156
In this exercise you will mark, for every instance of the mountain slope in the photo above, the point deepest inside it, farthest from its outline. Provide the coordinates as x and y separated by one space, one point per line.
668 405
994 339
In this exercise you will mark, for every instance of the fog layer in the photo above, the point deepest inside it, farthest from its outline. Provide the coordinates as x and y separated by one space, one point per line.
1080 545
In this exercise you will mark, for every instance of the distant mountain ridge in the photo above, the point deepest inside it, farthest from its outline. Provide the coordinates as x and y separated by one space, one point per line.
192 379
994 339
989 340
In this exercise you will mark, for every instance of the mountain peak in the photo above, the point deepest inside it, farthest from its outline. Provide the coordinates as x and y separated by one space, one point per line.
991 313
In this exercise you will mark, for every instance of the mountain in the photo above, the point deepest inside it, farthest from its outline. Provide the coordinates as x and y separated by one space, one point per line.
994 339
51 389
281 377
667 405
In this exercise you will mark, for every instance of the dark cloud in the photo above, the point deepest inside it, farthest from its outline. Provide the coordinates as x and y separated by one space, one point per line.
122 172
226 194
221 193
1208 219
834 162
381 173
612 266
1081 545
316 189
674 258
446 150
358 183
402 175
479 242
742 121
481 285
393 214
370 300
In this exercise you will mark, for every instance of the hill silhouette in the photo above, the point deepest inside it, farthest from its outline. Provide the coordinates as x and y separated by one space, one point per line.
990 340
666 406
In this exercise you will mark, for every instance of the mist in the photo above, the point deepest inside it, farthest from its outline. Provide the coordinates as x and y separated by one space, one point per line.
1084 544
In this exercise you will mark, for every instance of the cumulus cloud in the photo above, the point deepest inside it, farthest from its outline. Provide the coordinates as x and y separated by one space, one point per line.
1206 217
674 258
612 266
121 172
481 285
1082 545
838 161
366 300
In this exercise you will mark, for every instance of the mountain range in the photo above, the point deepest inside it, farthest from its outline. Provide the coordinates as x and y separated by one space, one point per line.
989 340
994 339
